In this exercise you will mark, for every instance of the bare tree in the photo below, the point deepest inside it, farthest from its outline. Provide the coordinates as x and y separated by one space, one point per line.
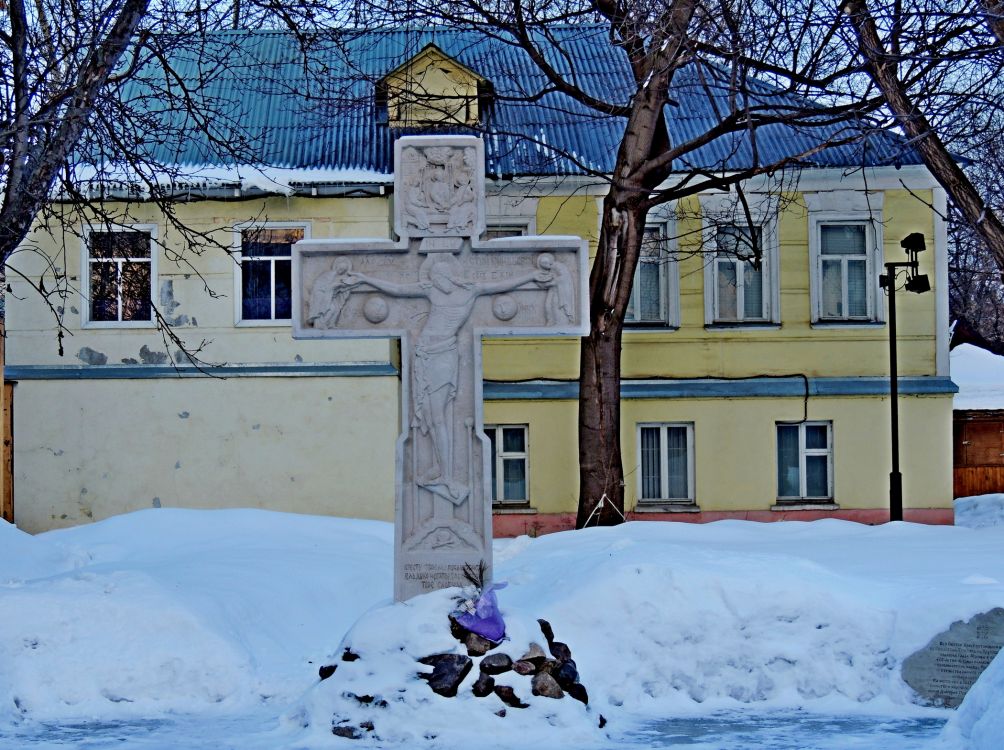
976 283
97 103
714 94
712 89
968 42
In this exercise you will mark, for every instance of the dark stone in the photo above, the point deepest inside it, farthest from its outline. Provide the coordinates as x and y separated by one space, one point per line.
524 667
545 628
578 691
457 630
364 700
559 650
496 664
535 654
566 674
326 671
508 696
348 655
545 685
500 712
367 725
349 733
448 671
603 722
476 645
484 686
550 666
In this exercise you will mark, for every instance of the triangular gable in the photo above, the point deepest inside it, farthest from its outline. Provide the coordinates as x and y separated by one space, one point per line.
432 88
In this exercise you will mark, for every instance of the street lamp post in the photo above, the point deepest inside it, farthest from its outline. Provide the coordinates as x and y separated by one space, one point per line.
917 283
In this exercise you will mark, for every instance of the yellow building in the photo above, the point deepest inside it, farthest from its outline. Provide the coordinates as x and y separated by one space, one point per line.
751 390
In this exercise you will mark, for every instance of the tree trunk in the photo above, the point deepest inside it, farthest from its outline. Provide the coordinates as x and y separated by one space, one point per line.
601 468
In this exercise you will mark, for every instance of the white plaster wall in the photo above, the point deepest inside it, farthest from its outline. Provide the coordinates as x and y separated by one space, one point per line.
85 450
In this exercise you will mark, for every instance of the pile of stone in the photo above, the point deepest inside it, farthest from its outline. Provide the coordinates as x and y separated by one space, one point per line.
553 677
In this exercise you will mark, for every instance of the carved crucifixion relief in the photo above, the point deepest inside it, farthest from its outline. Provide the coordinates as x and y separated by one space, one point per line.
440 290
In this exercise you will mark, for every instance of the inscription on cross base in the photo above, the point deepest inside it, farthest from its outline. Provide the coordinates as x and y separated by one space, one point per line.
440 290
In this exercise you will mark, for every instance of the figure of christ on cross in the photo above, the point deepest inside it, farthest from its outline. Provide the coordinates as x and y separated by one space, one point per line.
436 361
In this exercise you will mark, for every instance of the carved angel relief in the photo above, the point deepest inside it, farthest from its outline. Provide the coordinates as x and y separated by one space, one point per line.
438 189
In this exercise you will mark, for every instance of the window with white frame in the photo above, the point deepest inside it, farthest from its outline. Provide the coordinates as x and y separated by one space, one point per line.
805 461
652 294
844 270
666 463
265 275
740 270
510 463
119 275
497 231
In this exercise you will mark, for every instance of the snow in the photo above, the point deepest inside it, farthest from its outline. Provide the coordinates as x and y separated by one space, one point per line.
980 377
979 722
173 618
268 179
979 511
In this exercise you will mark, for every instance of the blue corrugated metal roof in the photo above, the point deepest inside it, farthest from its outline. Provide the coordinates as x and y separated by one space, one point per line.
321 113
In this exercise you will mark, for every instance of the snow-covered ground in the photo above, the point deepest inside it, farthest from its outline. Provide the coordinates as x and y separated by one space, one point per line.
980 377
212 624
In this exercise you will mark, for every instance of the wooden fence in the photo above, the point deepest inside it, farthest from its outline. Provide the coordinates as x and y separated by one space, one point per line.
978 453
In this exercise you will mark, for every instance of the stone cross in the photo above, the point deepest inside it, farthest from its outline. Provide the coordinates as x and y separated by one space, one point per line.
440 290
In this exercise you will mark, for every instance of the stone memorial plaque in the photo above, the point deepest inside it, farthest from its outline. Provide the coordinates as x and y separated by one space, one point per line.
440 290
942 672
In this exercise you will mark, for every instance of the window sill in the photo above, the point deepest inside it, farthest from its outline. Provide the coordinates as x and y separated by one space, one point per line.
804 505
277 323
654 506
97 324
752 325
650 327
515 509
848 324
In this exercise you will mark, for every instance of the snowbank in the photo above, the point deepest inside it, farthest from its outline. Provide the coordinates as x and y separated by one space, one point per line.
980 377
178 611
24 557
980 511
195 612
978 723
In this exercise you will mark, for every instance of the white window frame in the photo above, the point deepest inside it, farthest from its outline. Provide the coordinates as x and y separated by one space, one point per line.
770 273
524 225
722 208
846 207
85 276
803 452
669 286
239 258
663 464
501 455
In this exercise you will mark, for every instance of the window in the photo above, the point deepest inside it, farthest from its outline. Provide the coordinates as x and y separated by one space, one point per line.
265 279
845 270
499 231
740 292
805 461
510 475
119 276
654 282
666 458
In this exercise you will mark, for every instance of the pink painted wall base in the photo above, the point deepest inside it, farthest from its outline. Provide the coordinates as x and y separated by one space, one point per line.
535 524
